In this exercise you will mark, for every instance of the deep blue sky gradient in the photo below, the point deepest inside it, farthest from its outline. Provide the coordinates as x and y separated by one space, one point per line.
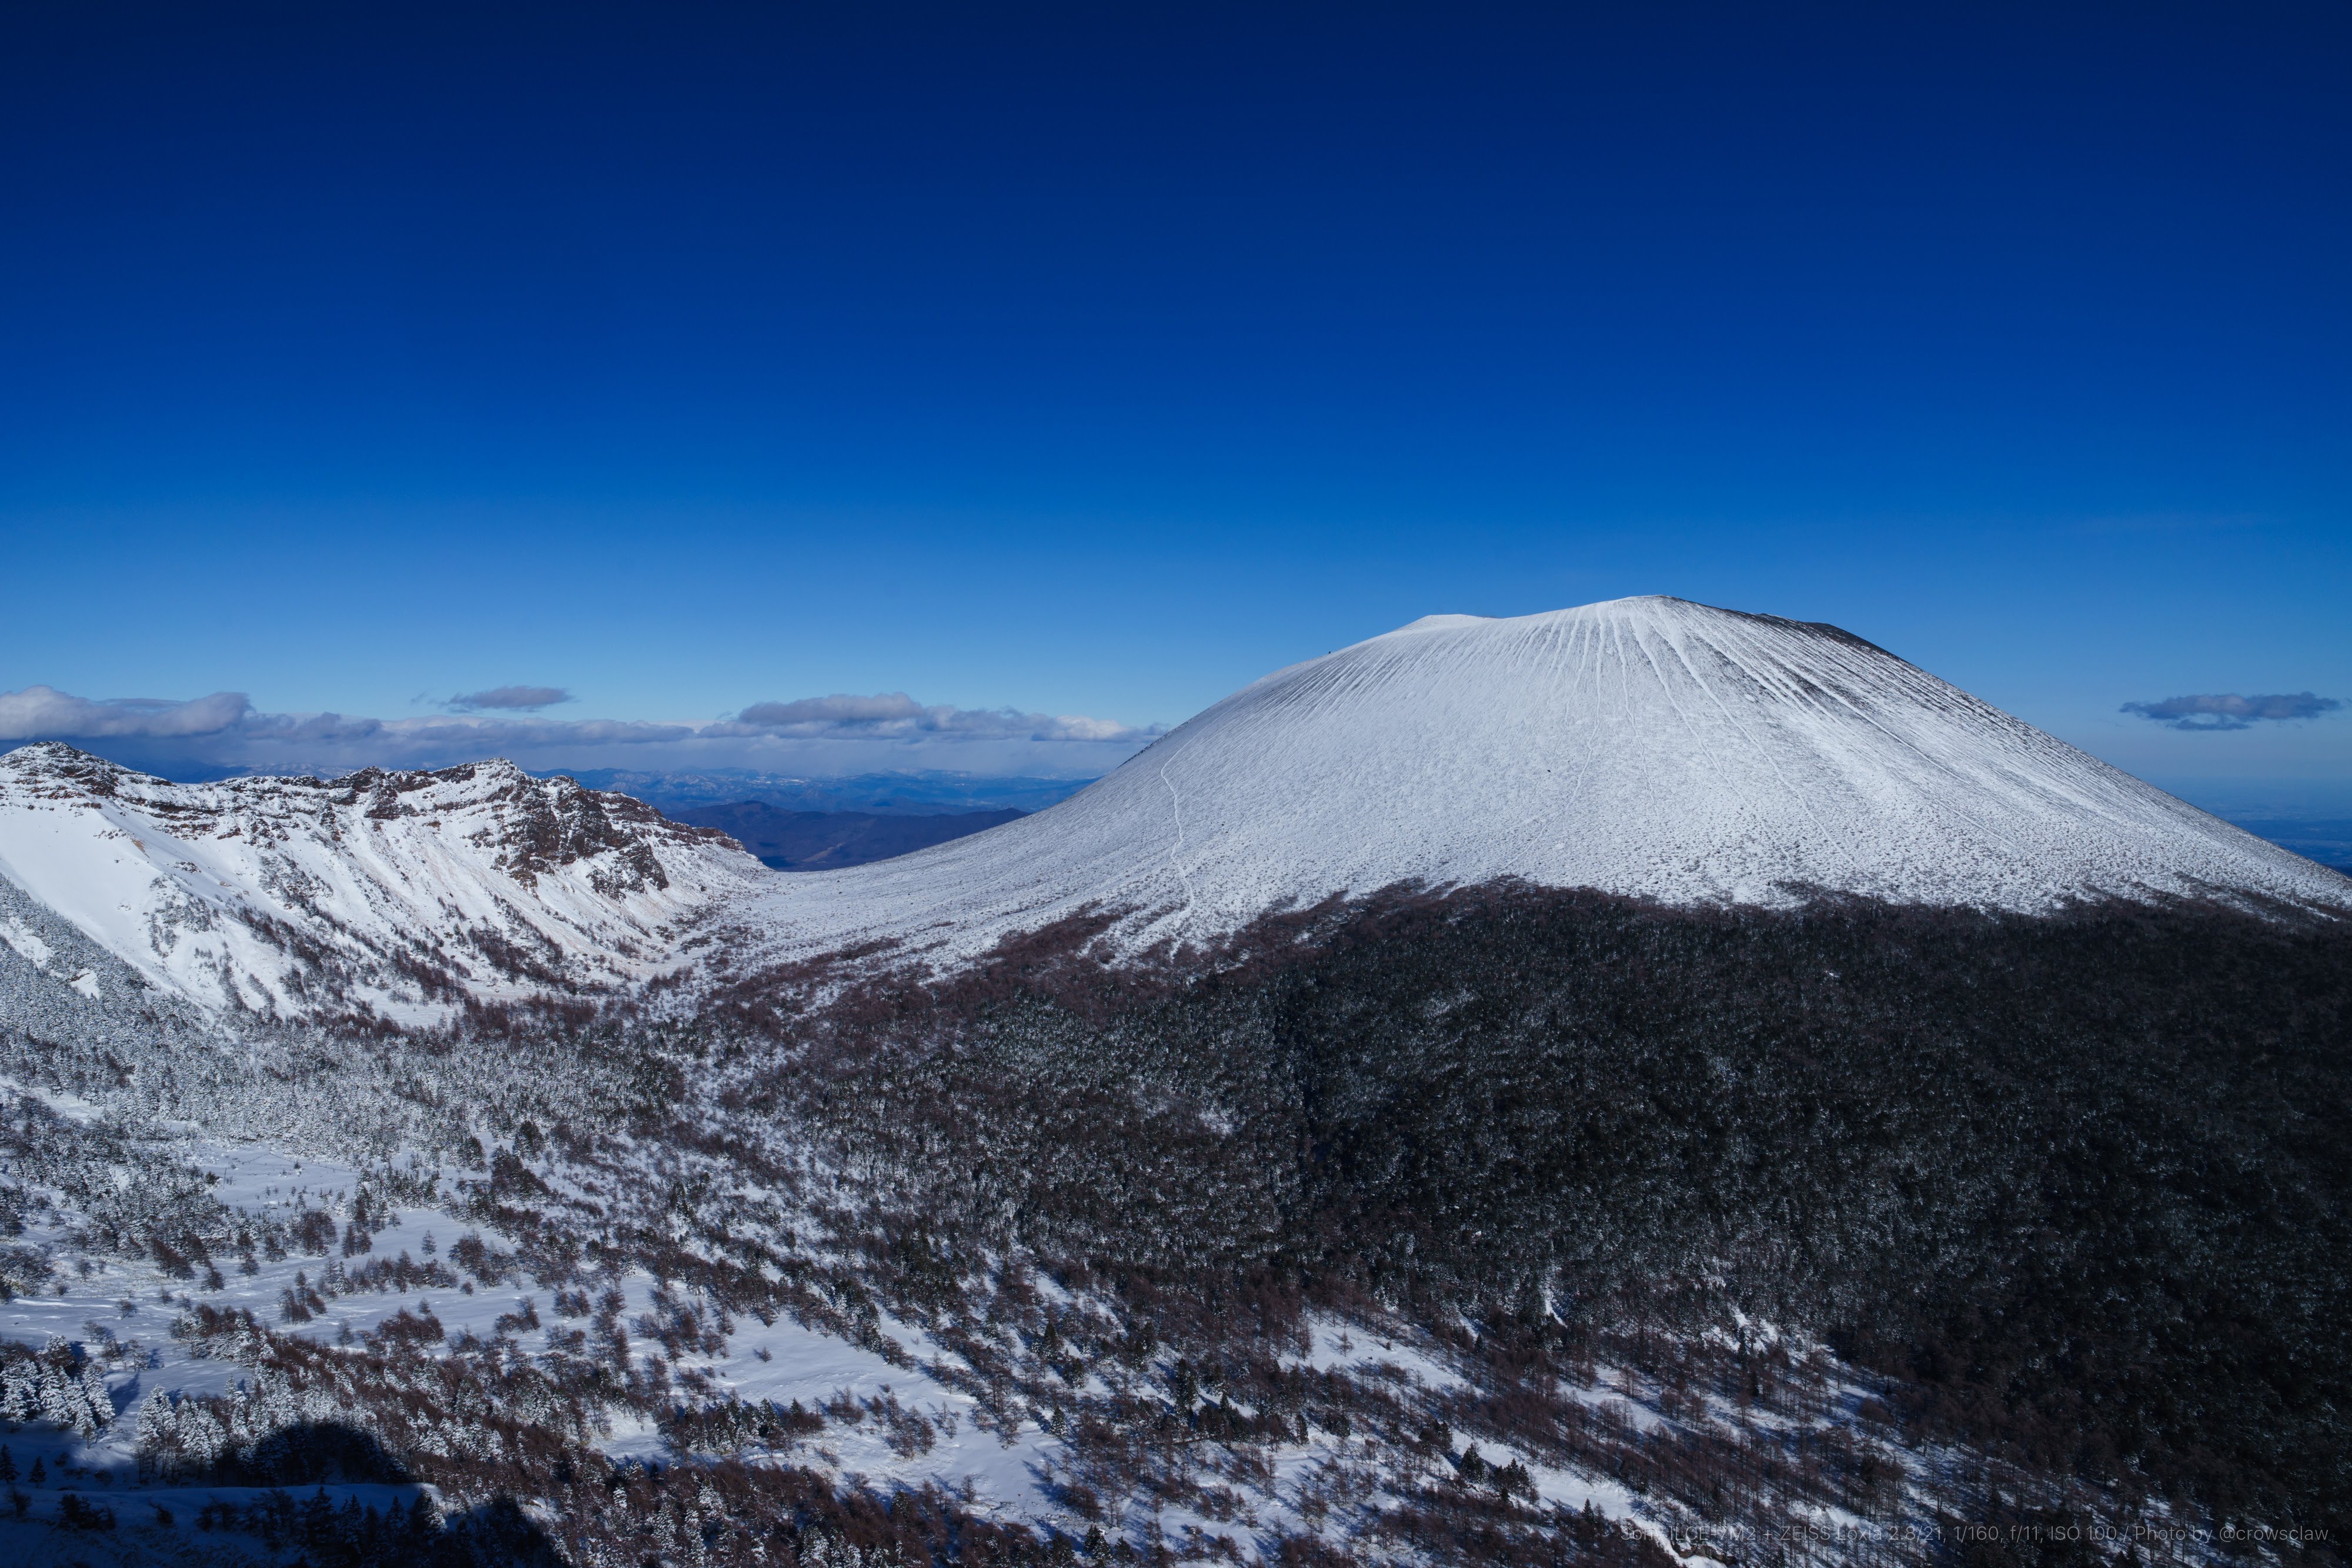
1097 360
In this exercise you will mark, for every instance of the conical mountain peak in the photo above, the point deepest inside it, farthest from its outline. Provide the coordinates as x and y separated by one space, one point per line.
1649 746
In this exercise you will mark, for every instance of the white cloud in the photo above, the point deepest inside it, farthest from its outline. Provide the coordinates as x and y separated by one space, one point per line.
39 713
895 714
815 734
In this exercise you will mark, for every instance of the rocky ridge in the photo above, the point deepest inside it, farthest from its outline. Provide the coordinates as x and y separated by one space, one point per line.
392 896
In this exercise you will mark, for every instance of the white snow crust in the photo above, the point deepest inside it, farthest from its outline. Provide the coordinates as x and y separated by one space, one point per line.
1646 746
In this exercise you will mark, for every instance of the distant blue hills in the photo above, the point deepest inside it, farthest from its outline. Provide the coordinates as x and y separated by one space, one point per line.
911 794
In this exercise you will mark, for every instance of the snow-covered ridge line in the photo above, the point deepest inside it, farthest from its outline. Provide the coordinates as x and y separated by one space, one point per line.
1646 746
398 895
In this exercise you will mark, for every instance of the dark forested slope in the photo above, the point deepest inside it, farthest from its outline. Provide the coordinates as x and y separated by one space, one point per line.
2081 1182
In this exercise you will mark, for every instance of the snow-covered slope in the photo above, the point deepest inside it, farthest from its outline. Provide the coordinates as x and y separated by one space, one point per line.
401 893
1648 746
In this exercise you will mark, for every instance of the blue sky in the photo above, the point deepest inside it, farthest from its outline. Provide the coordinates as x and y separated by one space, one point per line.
1094 360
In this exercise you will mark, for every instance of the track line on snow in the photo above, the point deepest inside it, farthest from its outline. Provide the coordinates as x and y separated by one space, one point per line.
1176 852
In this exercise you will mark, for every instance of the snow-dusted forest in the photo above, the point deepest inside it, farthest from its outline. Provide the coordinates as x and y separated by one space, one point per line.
1514 1229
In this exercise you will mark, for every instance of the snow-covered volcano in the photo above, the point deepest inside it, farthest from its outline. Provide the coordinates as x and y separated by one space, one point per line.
1649 746
397 893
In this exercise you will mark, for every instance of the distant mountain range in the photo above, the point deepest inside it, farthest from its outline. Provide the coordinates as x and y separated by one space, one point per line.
916 794
2325 839
819 841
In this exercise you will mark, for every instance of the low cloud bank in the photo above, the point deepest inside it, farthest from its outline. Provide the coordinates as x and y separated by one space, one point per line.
510 699
896 716
45 713
224 733
2228 710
